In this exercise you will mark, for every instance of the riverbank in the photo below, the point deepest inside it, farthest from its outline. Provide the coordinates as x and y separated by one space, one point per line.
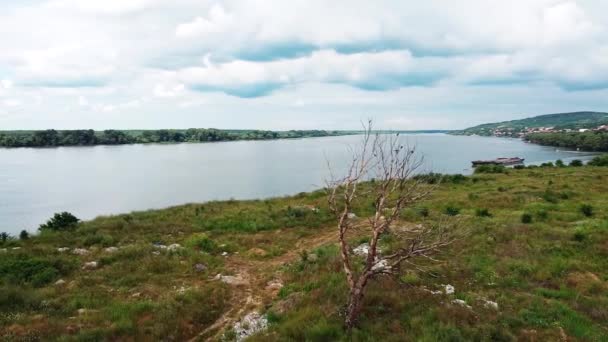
533 266
54 138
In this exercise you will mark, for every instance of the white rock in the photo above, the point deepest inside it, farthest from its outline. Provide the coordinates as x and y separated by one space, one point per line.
312 257
90 265
361 250
63 249
461 303
174 247
232 280
80 251
351 216
448 289
16 248
60 282
490 304
251 324
111 249
381 264
224 253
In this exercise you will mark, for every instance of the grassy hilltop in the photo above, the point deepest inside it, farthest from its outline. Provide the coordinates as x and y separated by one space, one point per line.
559 121
536 246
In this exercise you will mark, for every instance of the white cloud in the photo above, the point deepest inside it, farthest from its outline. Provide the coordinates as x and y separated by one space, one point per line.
134 58
161 90
218 21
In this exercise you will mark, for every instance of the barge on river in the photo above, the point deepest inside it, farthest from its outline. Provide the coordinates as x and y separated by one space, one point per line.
499 161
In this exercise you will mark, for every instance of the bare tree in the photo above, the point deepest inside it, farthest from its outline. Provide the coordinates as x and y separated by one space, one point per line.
389 167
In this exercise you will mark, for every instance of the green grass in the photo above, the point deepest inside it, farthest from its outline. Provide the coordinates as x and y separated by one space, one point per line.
547 274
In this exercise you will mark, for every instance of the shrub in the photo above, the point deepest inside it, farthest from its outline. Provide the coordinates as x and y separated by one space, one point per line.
60 221
452 211
19 269
482 212
424 211
24 235
519 167
559 163
599 161
490 169
579 236
526 218
549 164
576 163
587 210
4 236
201 242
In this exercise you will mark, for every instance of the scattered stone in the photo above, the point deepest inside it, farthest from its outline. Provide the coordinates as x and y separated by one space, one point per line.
111 249
362 250
461 303
448 289
231 280
90 265
85 311
63 249
381 264
200 268
174 247
312 257
136 295
182 290
224 253
60 282
251 324
351 216
274 286
159 246
490 304
156 252
80 251
16 248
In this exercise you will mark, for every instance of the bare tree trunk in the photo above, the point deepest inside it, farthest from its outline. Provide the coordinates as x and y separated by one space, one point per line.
392 165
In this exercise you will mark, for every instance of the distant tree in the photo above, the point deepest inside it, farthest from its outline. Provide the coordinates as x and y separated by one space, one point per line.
392 165
24 235
576 163
4 236
60 221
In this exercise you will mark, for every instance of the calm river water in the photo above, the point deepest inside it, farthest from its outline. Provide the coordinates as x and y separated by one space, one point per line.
102 180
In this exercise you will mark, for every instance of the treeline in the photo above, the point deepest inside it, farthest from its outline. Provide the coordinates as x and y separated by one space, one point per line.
51 137
586 141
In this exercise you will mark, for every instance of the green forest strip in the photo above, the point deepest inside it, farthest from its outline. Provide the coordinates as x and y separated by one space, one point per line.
53 138
585 141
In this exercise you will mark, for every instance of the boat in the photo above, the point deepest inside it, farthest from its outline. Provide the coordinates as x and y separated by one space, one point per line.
499 161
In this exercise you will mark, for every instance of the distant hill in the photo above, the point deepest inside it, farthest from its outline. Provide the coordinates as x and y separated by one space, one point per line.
561 121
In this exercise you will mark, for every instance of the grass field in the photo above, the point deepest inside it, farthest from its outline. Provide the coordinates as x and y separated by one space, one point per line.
535 242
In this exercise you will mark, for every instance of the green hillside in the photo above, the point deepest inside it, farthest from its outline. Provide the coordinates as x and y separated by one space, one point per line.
574 120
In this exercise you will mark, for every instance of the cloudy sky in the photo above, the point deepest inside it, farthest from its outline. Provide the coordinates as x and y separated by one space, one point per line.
297 64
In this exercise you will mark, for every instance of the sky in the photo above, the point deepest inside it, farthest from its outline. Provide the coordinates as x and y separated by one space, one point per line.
298 64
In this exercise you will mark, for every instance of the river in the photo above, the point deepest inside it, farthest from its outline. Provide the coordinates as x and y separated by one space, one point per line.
103 180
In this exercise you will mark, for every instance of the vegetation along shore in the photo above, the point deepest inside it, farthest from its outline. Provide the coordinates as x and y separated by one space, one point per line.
89 137
533 266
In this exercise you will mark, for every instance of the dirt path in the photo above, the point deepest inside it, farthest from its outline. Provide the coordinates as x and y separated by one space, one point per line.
253 292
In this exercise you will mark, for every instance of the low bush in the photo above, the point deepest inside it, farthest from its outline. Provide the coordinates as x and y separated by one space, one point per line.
37 271
587 210
576 163
201 242
60 221
526 218
482 212
599 161
490 169
559 163
452 210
